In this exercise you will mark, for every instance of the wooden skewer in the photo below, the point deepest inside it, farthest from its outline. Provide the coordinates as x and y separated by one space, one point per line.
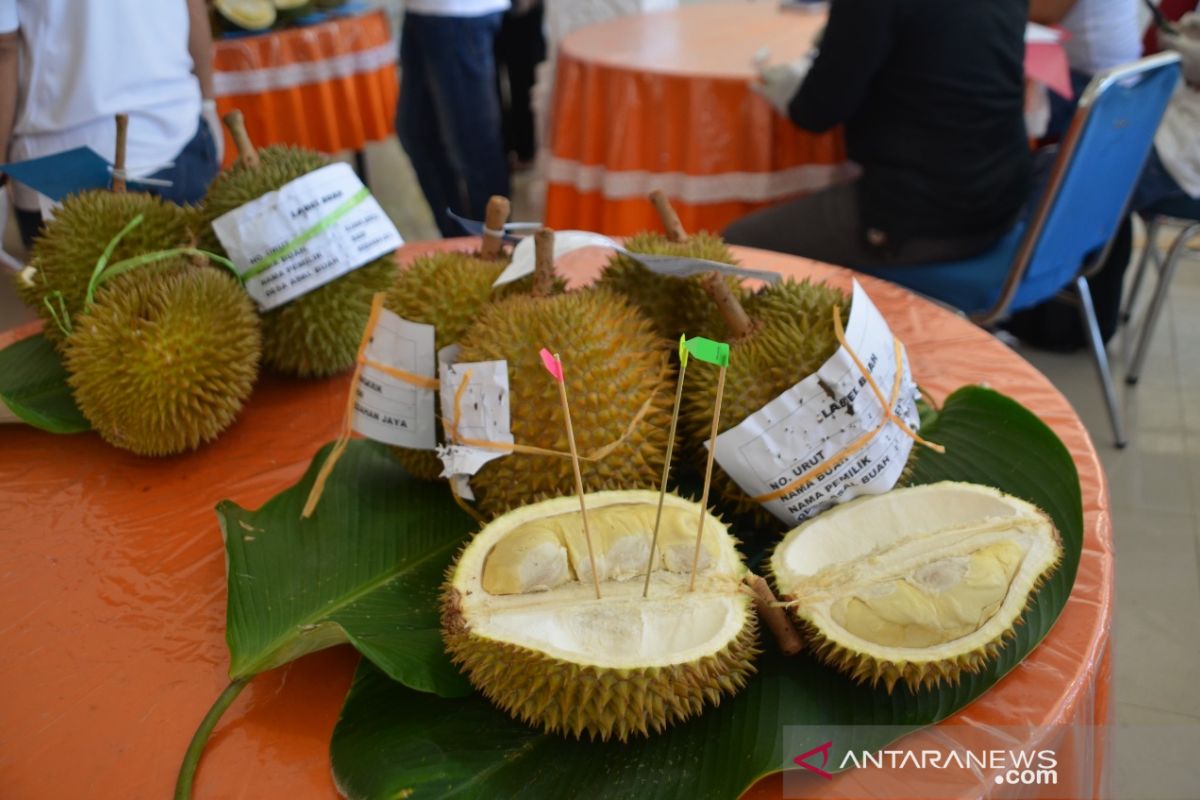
118 180
662 489
587 534
498 209
712 451
785 633
247 154
666 214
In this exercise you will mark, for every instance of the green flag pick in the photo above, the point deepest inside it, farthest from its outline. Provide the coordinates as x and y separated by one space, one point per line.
683 351
708 350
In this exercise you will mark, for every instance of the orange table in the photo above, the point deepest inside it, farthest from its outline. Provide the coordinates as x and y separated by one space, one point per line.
662 101
330 87
114 593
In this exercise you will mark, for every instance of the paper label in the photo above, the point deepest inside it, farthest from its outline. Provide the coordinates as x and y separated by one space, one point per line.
342 227
482 416
522 263
802 429
388 408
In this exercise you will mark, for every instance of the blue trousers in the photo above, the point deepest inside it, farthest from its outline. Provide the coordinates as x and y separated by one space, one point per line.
448 119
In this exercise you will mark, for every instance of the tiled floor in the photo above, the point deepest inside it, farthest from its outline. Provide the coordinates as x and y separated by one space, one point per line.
1155 484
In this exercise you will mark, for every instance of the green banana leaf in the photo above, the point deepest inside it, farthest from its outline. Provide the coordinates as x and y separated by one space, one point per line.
33 385
392 741
364 569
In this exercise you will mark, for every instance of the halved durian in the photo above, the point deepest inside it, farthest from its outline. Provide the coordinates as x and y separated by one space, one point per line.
916 585
521 618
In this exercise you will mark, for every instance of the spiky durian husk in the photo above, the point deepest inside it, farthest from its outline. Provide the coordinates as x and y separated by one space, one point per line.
576 699
64 256
674 305
614 363
317 334
794 339
164 358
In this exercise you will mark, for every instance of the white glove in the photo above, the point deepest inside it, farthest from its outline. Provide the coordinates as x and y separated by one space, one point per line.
780 82
208 112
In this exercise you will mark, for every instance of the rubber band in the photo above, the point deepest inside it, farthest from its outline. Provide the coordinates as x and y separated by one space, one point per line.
420 381
271 259
497 234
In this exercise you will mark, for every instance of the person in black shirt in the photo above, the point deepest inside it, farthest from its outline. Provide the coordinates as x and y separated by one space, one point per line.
931 93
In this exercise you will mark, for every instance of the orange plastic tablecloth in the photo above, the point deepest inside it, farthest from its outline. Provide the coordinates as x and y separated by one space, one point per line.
330 87
113 593
662 101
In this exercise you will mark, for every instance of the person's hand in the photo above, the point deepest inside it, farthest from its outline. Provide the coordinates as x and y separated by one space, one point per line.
1186 42
779 83
208 112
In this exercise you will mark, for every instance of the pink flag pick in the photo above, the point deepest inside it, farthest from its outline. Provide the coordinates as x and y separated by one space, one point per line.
552 364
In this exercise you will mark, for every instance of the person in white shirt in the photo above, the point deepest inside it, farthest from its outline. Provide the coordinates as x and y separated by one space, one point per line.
67 68
448 119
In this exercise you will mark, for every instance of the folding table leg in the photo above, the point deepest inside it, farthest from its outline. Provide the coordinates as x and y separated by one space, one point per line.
1100 356
1158 301
1149 252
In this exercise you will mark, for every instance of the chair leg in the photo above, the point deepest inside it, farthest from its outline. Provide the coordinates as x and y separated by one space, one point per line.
1158 301
1148 252
1087 312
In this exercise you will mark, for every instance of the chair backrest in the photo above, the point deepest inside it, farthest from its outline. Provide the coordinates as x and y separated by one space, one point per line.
1097 168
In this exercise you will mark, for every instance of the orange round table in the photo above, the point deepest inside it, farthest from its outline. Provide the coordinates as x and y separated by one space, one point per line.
114 594
662 101
330 87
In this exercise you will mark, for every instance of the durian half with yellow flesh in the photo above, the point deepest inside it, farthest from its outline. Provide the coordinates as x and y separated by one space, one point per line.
521 618
919 584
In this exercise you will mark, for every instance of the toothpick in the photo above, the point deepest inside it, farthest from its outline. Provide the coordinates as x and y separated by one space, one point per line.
587 534
662 489
712 450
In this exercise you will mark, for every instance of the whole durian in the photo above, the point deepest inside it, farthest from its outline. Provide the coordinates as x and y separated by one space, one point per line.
674 305
615 365
786 333
316 334
917 585
520 617
164 358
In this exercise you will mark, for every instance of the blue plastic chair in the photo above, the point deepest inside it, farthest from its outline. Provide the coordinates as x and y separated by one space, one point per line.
1053 253
1187 213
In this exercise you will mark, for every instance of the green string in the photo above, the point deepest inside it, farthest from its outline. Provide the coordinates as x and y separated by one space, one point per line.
63 320
270 260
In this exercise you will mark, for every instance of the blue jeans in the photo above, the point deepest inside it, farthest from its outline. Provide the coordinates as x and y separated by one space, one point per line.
448 120
194 169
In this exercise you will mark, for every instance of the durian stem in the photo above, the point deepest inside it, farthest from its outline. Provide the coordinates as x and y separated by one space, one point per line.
543 269
785 633
498 209
668 217
740 325
118 180
247 153
191 759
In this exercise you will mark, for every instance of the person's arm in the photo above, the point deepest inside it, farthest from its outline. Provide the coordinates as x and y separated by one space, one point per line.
1049 12
200 46
857 40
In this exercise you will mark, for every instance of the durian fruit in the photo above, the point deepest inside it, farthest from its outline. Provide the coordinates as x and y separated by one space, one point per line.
674 305
165 357
617 377
243 15
316 334
64 256
918 585
783 334
520 616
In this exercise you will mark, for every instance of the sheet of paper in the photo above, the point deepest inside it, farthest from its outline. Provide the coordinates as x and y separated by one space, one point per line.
482 415
803 428
522 263
390 409
262 227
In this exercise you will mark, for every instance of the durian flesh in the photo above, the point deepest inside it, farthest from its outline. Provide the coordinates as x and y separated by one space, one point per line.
521 618
917 585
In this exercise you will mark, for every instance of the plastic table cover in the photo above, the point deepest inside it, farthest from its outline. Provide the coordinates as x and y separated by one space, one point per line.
330 87
114 594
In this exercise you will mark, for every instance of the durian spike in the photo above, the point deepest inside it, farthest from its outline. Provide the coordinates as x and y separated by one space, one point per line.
543 260
118 180
668 217
740 324
785 633
493 226
247 154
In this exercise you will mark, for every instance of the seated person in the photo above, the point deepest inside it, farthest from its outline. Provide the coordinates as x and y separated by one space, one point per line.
931 94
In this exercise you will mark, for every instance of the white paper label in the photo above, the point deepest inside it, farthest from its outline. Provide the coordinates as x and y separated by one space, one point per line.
387 408
483 415
815 419
358 236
